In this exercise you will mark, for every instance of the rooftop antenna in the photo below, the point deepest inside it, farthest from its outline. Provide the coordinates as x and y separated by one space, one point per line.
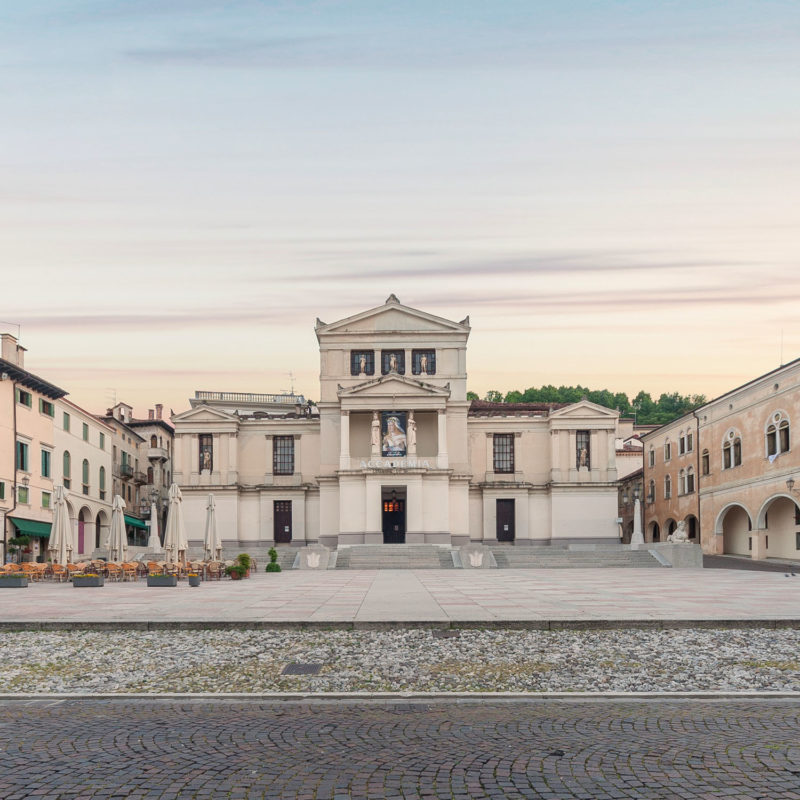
291 382
111 394
13 325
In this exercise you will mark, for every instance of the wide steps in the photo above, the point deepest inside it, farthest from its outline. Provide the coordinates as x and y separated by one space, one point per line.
394 556
557 558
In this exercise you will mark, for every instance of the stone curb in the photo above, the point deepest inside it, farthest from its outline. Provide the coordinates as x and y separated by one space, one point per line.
378 625
403 697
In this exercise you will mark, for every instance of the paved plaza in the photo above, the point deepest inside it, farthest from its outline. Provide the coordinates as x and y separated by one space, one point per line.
596 750
432 596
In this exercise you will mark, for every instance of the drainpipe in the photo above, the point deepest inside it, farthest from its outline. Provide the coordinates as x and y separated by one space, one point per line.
14 482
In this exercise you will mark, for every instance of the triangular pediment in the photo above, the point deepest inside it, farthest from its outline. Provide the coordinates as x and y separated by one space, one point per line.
394 385
393 316
203 413
583 409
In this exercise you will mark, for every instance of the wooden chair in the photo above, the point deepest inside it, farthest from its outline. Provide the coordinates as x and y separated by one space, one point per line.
129 570
114 571
59 573
214 571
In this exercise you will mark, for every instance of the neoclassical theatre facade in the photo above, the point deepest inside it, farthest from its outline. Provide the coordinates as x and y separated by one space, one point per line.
394 452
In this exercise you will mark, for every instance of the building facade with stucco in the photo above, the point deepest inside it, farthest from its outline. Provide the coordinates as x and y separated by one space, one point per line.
394 452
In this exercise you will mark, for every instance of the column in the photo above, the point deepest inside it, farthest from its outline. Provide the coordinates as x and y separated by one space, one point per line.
555 456
759 544
414 523
233 451
441 420
268 456
594 451
611 467
298 467
373 511
344 448
489 455
375 435
194 468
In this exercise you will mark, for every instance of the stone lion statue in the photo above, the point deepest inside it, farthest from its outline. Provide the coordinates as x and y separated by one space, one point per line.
679 535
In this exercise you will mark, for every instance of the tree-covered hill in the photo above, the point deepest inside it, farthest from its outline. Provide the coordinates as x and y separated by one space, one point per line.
646 410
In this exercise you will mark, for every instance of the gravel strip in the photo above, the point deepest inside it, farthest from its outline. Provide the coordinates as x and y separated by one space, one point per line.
401 660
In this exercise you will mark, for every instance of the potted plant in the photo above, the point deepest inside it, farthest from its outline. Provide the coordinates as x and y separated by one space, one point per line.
273 565
16 544
244 561
161 579
13 581
194 579
81 579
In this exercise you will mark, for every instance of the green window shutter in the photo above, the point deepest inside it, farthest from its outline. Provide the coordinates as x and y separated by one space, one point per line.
2 490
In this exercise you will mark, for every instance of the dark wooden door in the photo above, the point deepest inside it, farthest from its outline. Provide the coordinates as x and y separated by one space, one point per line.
505 520
282 526
394 522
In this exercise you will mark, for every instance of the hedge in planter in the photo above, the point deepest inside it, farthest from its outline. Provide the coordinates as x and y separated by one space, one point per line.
13 582
162 580
88 580
273 565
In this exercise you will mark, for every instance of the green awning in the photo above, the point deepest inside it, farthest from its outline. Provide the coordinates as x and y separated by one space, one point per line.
136 523
30 527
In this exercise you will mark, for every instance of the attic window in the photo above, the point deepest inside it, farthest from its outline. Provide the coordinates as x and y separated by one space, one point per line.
393 361
423 362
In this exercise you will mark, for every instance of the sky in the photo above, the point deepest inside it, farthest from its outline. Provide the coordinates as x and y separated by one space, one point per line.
610 190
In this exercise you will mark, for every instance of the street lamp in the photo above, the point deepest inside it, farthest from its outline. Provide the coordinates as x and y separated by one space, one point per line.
790 485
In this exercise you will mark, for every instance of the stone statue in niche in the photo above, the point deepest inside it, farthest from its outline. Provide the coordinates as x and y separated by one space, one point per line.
392 362
362 365
583 458
206 460
412 433
375 433
423 364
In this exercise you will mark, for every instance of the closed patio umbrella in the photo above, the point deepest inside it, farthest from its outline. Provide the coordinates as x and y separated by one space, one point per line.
154 542
212 546
118 536
176 542
60 545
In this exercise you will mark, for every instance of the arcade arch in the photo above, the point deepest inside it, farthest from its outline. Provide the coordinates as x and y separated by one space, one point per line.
734 524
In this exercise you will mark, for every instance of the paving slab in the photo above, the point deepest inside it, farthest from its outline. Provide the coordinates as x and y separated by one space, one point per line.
423 596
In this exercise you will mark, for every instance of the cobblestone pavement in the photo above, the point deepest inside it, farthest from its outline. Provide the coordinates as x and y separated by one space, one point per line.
596 750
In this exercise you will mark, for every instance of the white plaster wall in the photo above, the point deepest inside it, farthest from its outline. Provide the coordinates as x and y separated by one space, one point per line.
435 505
351 508
781 531
312 516
539 518
475 516
459 509
585 514
248 526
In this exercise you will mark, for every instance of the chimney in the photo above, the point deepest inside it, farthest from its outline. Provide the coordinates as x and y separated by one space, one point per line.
12 351
151 414
159 409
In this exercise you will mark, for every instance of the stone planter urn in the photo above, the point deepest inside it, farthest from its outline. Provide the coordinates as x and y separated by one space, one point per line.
162 580
13 582
88 580
194 580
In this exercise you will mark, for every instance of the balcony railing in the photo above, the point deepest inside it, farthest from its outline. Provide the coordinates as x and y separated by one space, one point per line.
157 454
139 477
247 397
124 470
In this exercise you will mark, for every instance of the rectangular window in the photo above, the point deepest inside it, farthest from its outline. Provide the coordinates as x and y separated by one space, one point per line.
393 361
783 432
45 463
681 445
690 483
206 452
582 454
85 432
2 490
46 407
283 455
652 458
22 456
102 441
503 455
423 362
705 463
362 362
24 398
66 421
689 442
45 499
22 495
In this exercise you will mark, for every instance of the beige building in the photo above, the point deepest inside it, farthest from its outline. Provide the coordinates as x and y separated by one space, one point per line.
728 471
83 466
394 452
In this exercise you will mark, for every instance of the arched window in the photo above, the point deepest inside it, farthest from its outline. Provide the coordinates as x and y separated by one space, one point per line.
667 487
778 439
85 476
681 443
731 450
705 463
689 480
101 483
651 492
667 450
737 452
682 482
150 475
67 469
651 457
153 441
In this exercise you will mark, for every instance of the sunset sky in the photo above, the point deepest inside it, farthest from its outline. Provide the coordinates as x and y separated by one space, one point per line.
610 190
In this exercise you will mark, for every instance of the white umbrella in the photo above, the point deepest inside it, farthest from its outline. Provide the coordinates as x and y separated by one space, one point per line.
175 541
153 543
117 536
60 544
212 547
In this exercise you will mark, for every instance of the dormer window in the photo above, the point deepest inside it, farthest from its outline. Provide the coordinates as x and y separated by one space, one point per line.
393 361
362 362
423 362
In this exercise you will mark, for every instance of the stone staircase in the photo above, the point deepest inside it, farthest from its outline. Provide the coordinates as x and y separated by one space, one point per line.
560 558
394 556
